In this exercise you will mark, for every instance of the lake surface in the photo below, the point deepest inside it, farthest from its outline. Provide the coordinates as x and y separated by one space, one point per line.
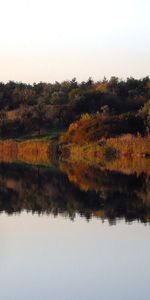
73 232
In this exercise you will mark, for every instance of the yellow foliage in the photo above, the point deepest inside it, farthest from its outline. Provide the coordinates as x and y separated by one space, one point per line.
101 87
73 126
86 116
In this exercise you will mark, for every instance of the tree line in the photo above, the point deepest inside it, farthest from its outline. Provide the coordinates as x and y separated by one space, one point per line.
41 107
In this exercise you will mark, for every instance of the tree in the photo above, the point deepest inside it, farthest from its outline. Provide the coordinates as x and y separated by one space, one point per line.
145 114
58 98
2 117
40 116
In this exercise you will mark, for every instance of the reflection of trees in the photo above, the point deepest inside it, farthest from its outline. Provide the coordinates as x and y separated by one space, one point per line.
47 191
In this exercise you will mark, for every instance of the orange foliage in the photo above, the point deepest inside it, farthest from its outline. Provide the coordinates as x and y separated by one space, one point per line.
102 87
93 128
33 152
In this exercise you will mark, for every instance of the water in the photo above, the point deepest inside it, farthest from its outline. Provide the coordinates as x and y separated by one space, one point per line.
73 235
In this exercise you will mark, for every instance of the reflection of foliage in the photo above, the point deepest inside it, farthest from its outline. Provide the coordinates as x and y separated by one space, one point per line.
108 195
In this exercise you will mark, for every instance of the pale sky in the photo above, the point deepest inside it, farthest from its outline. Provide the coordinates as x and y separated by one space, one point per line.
61 39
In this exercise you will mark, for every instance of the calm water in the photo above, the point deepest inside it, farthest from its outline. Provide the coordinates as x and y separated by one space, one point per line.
73 234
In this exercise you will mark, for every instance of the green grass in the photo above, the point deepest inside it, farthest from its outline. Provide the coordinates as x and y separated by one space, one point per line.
48 136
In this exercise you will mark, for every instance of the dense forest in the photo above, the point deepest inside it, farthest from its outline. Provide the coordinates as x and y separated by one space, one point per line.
115 106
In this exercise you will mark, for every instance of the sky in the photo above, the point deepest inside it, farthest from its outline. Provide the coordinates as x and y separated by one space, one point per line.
57 40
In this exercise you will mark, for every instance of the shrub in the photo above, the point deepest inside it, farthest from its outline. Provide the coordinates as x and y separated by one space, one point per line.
85 117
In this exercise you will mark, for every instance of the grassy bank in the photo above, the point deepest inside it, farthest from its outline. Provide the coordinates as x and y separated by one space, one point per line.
44 150
46 136
30 151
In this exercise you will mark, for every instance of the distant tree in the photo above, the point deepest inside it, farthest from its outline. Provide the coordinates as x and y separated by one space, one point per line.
113 85
145 114
40 117
2 117
58 98
26 115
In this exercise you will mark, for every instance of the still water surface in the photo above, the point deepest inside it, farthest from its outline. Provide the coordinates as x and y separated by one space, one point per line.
73 235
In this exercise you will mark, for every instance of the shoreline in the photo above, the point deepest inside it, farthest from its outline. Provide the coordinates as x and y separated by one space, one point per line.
120 153
124 147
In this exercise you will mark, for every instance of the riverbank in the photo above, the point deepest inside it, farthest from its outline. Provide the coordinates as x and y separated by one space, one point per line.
117 152
30 151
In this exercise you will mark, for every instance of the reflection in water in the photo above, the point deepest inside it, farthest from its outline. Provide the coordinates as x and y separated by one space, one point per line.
46 258
76 189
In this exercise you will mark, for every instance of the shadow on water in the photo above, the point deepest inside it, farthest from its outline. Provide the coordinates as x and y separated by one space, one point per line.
75 189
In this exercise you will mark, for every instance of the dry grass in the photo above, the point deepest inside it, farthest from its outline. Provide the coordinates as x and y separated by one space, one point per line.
130 146
32 151
127 146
